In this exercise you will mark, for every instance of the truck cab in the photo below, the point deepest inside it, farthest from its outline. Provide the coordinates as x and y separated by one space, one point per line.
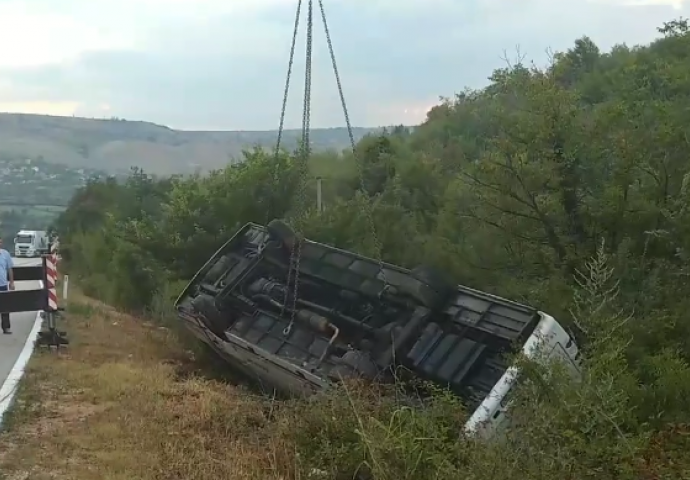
349 315
30 243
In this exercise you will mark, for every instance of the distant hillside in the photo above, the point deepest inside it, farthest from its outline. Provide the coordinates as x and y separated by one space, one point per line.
36 182
116 145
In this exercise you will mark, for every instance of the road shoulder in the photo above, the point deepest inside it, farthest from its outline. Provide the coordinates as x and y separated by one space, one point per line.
16 349
116 404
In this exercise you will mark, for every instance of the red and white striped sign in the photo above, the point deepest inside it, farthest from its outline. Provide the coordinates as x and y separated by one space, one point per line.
51 277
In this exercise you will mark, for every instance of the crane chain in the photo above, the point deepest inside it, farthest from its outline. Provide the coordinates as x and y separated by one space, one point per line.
281 127
369 213
303 171
286 92
296 251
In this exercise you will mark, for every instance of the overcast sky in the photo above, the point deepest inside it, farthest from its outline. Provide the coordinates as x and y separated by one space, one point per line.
220 64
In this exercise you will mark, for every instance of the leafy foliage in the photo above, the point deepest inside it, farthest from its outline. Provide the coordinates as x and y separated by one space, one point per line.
572 178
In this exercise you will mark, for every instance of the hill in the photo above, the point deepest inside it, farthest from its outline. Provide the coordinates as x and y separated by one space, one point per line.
34 192
37 182
116 145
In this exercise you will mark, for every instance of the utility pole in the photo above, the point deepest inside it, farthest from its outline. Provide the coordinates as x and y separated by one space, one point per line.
319 198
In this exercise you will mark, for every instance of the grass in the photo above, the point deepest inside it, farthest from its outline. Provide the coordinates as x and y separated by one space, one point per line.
127 401
122 403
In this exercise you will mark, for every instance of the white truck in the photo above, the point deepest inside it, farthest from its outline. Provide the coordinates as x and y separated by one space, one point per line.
31 243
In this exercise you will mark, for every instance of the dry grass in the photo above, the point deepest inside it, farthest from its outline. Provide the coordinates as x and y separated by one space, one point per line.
125 401
115 406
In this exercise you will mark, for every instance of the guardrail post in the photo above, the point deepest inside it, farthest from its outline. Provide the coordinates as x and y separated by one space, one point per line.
51 337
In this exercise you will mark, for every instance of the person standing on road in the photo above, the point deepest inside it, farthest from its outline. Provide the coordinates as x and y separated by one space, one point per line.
6 283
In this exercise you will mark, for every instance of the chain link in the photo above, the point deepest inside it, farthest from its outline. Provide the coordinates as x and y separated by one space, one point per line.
286 92
369 213
281 128
296 252
303 171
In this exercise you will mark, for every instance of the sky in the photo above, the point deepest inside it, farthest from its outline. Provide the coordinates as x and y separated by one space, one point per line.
221 64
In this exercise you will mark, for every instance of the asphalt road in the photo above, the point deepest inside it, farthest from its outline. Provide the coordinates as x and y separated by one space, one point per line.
17 347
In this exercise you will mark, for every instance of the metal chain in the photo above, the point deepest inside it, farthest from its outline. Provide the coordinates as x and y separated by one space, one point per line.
296 253
369 213
281 127
286 92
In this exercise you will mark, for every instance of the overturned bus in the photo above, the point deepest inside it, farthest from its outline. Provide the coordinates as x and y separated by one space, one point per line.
355 316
